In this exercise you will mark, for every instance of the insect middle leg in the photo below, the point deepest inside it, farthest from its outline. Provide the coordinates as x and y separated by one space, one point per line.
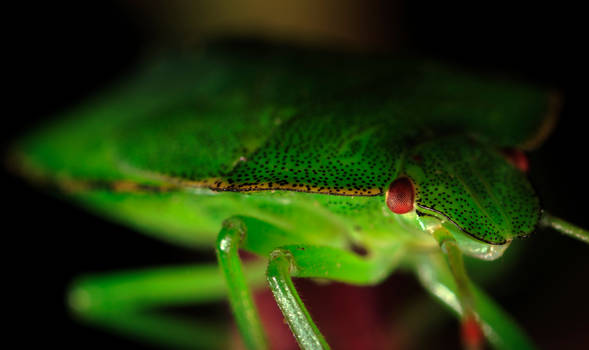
308 261
302 259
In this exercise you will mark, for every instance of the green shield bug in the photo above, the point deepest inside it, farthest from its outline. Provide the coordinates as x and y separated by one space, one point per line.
300 158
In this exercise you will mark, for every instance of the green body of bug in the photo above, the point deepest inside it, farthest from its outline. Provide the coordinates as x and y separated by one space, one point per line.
290 156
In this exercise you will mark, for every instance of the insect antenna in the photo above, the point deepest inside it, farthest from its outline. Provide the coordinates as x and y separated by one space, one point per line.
564 227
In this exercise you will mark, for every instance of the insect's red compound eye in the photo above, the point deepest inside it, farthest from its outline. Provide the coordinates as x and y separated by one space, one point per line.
517 158
400 196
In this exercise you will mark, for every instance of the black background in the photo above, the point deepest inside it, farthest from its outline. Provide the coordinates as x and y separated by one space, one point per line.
58 54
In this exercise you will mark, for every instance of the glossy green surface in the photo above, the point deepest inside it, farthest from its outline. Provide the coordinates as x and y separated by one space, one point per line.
245 120
474 187
299 148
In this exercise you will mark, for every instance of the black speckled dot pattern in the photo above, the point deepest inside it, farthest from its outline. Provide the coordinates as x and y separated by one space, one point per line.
474 187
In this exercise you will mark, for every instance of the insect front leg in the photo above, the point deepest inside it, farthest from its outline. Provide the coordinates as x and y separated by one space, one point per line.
499 328
472 336
446 278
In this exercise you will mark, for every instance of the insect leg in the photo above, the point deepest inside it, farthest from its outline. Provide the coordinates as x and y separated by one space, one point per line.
565 227
499 328
127 302
263 239
318 262
472 336
230 239
472 332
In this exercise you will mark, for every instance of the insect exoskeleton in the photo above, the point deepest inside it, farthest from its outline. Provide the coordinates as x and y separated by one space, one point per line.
464 190
189 152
